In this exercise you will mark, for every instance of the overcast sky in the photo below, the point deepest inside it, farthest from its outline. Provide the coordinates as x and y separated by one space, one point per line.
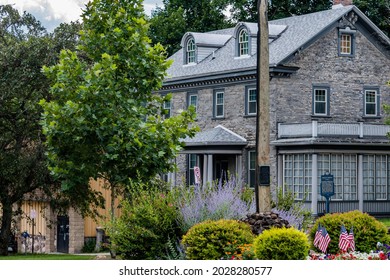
53 12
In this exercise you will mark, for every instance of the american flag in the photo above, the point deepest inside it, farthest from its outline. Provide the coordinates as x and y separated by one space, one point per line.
351 240
344 242
324 241
317 236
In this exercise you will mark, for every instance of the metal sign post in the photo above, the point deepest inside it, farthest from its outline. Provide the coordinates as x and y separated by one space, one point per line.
327 187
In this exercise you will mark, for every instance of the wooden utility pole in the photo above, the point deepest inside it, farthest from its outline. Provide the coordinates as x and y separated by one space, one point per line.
263 193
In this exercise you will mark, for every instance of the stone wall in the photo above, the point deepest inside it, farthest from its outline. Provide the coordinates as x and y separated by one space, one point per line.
76 232
291 98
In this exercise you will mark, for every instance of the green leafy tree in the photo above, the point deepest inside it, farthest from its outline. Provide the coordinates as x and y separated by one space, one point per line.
25 47
104 120
245 10
378 11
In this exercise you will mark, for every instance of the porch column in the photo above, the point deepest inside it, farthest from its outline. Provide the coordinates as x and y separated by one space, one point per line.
205 167
360 182
210 169
314 187
239 168
172 178
280 171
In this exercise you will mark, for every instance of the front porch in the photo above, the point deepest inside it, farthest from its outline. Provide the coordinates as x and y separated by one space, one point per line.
216 152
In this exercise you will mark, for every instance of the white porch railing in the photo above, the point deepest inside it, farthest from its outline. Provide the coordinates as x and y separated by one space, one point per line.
315 129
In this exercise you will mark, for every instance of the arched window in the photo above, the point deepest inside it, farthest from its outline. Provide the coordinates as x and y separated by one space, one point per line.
190 51
243 43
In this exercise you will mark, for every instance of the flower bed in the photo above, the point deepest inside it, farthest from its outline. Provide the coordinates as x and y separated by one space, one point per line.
380 255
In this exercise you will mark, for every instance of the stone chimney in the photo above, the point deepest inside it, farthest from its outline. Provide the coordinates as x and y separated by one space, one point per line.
342 2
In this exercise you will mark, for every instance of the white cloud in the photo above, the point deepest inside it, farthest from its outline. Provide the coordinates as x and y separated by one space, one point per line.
53 12
50 12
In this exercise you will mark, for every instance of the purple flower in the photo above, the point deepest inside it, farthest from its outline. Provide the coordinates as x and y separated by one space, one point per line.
218 201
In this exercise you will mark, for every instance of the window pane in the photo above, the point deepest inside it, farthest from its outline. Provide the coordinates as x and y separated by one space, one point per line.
167 109
191 51
219 104
219 110
252 168
297 175
371 103
320 100
252 101
320 108
192 158
345 44
193 101
243 43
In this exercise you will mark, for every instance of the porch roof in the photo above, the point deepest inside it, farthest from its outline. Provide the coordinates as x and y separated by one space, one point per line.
216 136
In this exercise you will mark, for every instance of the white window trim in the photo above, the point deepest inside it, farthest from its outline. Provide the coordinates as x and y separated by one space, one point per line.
218 104
326 101
375 103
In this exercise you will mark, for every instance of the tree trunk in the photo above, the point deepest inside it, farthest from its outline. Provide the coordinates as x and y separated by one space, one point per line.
5 230
113 189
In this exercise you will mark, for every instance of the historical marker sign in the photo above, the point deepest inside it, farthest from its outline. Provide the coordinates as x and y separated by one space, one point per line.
327 185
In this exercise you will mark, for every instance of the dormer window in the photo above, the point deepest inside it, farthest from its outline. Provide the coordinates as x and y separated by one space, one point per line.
243 42
190 53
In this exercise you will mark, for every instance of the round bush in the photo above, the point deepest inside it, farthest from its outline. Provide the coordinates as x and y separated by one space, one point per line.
207 240
367 230
281 244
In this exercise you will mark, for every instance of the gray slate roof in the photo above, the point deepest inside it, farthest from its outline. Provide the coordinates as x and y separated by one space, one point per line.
219 135
284 42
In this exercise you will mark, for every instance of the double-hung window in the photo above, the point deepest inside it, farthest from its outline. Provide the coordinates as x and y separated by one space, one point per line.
167 109
321 101
251 168
193 100
371 102
192 162
219 101
250 101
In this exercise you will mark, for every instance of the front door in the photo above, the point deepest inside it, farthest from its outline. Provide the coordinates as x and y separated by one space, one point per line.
63 234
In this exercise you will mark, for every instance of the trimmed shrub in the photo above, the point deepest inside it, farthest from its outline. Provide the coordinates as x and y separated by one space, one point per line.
147 222
208 240
366 229
281 244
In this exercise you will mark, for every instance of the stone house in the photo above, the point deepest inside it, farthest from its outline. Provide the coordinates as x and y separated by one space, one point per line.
328 75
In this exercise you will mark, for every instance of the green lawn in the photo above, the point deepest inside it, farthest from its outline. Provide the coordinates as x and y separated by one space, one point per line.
386 221
47 257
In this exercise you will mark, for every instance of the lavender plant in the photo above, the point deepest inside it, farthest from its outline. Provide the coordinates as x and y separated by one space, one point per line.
221 200
293 211
293 217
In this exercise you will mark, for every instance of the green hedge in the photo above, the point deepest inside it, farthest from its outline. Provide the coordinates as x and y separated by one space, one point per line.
281 244
367 230
208 240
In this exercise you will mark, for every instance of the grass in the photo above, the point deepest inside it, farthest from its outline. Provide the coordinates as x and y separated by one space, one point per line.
386 221
47 257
